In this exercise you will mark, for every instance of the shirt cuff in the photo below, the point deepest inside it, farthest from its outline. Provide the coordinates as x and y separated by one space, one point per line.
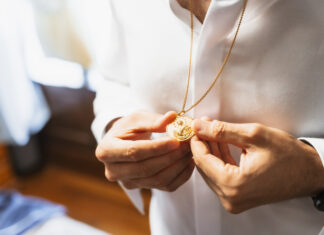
317 143
136 198
322 232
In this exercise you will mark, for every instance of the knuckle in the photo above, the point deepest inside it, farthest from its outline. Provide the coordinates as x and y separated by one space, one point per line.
240 181
218 129
110 176
100 153
255 131
244 178
232 208
131 152
236 178
233 194
228 179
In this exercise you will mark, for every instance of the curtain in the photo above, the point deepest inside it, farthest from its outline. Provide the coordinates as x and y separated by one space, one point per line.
23 110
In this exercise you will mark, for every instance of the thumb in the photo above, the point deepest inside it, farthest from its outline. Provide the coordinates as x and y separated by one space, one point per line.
236 134
159 124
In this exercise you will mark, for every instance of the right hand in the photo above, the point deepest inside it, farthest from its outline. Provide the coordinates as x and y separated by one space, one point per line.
133 158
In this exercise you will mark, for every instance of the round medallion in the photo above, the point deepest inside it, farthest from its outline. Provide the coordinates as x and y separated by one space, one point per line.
180 128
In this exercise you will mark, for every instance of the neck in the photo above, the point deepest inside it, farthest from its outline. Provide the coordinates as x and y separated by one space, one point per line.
200 7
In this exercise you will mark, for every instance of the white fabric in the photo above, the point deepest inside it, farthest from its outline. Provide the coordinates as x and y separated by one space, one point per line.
274 77
63 225
23 110
136 197
318 144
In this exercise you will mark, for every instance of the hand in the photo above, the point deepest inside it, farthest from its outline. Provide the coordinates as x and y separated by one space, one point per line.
130 156
274 166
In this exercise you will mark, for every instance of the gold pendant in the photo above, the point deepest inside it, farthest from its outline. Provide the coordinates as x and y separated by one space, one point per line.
180 128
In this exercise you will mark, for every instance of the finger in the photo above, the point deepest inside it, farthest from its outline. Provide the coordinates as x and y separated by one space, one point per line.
236 134
211 184
226 154
159 124
146 168
135 136
116 150
183 177
214 149
163 178
222 151
212 166
199 147
205 118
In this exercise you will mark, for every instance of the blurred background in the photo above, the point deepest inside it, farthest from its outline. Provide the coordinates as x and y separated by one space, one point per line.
48 57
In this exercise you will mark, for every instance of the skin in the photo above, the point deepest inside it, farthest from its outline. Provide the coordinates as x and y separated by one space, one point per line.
274 166
133 158
200 7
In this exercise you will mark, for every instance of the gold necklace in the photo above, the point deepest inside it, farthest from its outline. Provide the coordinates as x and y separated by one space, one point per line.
180 128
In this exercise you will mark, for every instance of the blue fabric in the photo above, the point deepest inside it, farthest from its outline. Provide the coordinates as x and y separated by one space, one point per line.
19 213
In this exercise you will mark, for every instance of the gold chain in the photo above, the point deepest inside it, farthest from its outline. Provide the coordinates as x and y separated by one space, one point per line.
183 110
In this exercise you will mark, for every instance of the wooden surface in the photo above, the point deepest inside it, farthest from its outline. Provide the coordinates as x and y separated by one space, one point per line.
92 200
6 174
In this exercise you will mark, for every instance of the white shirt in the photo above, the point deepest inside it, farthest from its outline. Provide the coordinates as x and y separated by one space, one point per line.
274 77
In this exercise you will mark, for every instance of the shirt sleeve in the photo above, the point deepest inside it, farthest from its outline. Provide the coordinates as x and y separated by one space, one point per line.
114 96
322 232
114 100
318 144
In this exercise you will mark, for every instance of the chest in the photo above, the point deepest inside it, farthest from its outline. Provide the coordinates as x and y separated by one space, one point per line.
274 75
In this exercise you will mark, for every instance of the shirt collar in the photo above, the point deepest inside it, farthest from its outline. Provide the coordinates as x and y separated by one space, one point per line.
184 15
230 7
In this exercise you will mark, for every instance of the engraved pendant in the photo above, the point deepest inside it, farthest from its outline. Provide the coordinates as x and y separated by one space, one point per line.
180 128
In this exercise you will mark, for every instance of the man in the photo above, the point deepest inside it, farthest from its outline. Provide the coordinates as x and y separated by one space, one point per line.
273 79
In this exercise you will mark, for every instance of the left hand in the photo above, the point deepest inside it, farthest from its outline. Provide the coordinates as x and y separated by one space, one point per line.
274 165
